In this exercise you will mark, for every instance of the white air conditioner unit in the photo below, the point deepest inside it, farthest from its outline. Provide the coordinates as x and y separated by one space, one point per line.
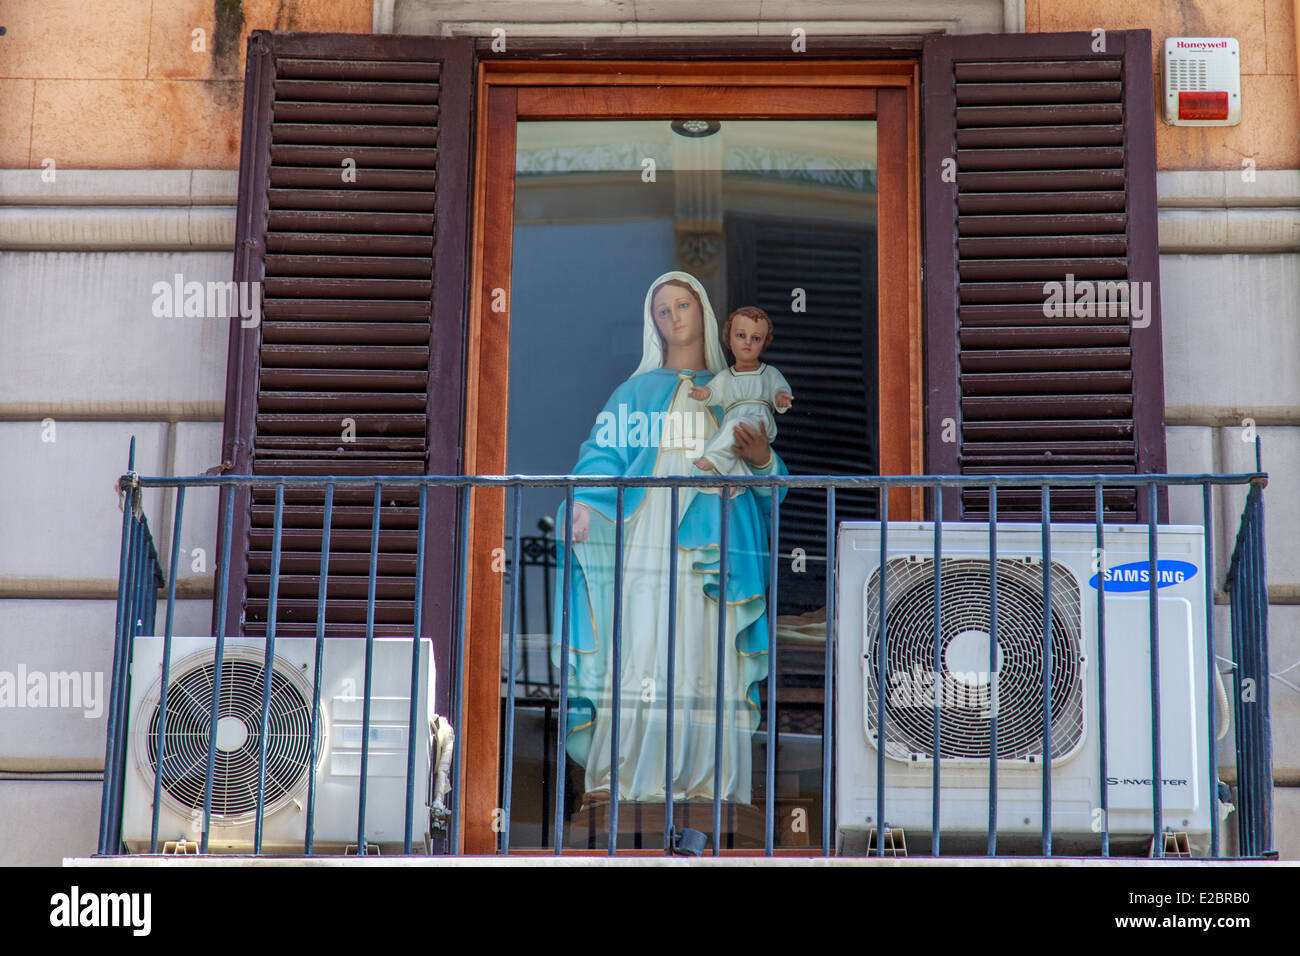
339 735
964 687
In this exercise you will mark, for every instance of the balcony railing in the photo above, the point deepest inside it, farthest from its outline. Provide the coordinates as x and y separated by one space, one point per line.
1245 584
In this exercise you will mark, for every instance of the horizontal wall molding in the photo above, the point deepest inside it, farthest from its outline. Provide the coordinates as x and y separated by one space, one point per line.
98 210
83 411
1221 231
91 589
1208 212
581 18
119 187
1224 189
1217 212
117 228
1231 417
51 770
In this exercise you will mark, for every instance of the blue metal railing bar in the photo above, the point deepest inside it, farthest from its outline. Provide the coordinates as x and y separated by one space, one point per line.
617 665
720 696
1046 548
417 627
769 775
223 587
507 788
166 670
828 702
458 687
881 671
1103 792
108 806
376 511
1211 702
1248 599
268 662
561 747
327 522
1153 632
936 663
819 482
994 670
670 834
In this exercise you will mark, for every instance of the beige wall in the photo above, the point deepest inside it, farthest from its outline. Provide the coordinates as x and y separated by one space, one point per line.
1269 131
115 84
94 84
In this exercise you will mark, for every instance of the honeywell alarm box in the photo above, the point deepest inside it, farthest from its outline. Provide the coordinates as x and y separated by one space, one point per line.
1202 81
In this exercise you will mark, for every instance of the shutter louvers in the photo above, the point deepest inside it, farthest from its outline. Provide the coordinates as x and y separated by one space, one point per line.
357 158
1053 182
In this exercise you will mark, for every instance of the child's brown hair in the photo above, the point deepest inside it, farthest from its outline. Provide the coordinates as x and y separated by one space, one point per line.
754 313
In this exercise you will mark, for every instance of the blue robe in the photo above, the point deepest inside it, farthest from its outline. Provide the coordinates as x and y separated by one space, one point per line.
634 452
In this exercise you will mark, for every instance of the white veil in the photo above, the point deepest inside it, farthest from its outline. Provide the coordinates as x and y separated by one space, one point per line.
652 351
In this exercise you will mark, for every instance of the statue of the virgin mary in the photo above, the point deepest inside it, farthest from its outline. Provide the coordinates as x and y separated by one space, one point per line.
651 426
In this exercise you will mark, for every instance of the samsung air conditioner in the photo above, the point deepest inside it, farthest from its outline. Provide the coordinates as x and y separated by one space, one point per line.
964 688
288 772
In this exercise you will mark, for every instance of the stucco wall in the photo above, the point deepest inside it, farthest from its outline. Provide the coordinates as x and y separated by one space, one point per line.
1269 131
118 84
102 85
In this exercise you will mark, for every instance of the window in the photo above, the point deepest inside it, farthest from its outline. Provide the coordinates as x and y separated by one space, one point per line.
1036 164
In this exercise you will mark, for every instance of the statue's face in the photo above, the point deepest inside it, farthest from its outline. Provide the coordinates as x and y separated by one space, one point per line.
748 338
677 316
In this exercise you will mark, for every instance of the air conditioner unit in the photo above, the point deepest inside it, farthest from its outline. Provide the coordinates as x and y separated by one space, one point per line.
963 687
339 737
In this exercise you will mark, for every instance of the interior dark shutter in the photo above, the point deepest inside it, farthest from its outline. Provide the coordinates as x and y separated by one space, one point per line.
1038 165
353 202
827 354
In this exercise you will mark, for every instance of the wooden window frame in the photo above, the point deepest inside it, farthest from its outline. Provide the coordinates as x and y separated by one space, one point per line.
508 90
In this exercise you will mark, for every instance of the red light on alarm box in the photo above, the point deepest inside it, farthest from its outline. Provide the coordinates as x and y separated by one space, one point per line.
1203 106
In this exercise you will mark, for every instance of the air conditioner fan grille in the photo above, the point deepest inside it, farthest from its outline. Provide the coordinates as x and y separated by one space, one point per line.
965 691
234 784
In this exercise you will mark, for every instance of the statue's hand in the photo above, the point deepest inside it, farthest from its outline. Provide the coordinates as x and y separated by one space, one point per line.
581 521
752 445
784 400
699 393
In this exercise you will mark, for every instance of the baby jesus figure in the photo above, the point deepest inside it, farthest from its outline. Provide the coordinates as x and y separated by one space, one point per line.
748 391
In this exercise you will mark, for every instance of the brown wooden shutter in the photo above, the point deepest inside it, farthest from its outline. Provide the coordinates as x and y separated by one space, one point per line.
364 284
1053 149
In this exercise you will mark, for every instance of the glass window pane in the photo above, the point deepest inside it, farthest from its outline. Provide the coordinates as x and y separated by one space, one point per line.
775 215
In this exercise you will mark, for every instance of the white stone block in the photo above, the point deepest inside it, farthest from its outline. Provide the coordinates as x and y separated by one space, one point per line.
1188 450
1268 187
81 336
1286 822
62 519
193 618
1231 342
197 448
1284 700
58 722
56 662
44 821
1191 188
